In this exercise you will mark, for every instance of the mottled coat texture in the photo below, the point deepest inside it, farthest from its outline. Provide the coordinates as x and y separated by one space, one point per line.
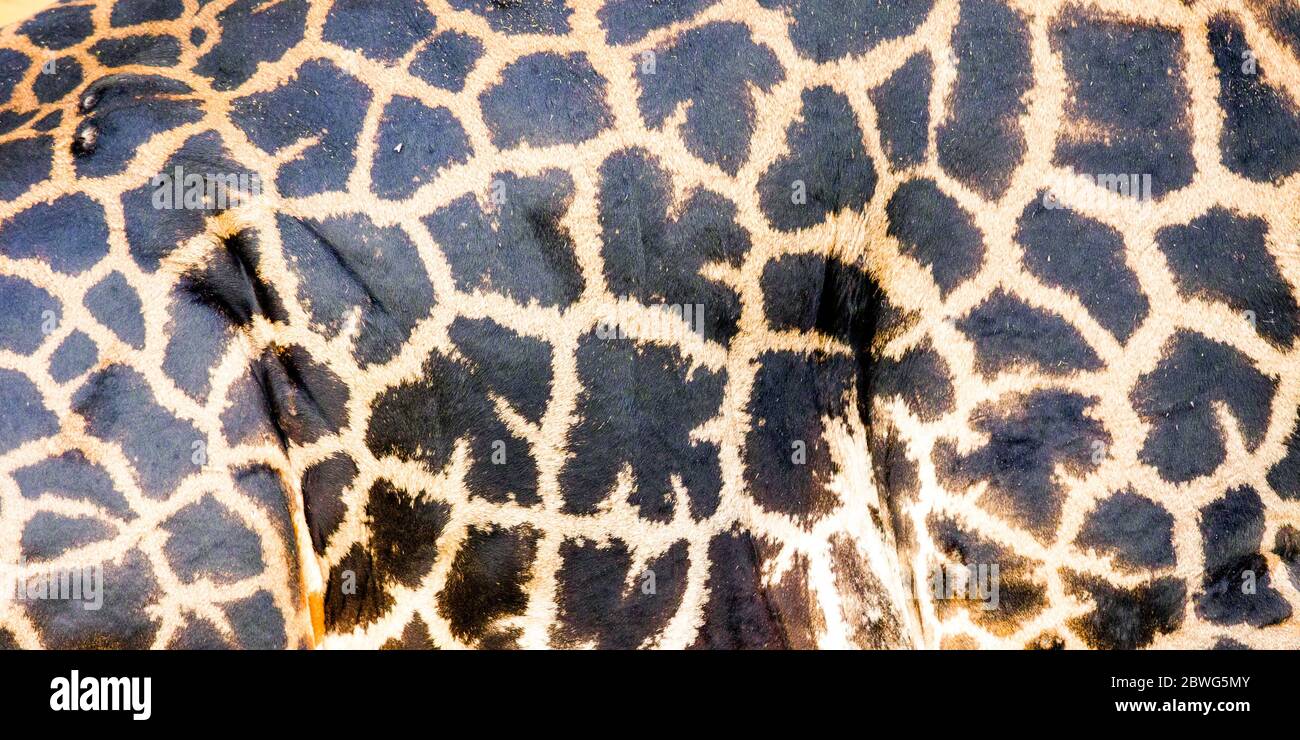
696 323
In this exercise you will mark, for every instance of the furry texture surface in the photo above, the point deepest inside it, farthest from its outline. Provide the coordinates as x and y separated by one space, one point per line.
12 11
707 323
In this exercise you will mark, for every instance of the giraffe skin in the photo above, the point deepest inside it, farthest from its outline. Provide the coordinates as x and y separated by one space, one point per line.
705 324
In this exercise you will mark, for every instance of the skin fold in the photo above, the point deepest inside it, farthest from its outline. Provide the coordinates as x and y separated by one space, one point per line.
698 324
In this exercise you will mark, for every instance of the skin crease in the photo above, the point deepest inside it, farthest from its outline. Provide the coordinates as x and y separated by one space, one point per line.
707 324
